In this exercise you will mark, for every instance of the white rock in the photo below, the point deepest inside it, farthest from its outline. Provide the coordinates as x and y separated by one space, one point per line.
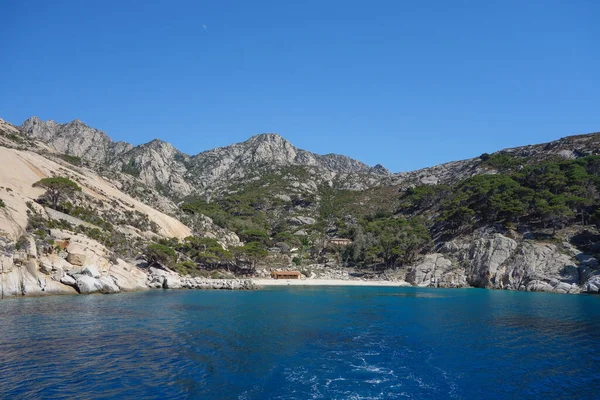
68 280
86 284
108 285
90 270
172 282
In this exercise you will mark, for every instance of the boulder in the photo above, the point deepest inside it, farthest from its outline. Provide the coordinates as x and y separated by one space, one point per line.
54 287
68 280
128 277
76 254
90 270
298 221
46 266
172 282
592 285
87 284
108 285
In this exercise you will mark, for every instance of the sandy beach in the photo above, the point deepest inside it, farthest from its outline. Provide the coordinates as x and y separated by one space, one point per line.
326 282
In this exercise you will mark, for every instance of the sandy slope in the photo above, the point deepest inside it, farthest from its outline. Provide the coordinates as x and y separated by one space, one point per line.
325 282
20 169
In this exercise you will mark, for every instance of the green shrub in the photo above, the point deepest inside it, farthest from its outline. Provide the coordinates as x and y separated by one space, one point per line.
131 168
161 254
71 159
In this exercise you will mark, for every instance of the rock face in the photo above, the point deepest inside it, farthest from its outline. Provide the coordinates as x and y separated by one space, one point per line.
172 282
495 261
436 271
75 138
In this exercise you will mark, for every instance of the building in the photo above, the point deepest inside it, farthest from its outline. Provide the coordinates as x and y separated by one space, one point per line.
339 241
285 275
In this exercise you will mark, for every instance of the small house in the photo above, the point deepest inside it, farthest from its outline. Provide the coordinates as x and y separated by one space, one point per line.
339 241
285 275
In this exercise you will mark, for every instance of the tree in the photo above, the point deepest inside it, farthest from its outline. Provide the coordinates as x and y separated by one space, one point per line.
57 188
160 254
395 240
255 235
253 252
425 196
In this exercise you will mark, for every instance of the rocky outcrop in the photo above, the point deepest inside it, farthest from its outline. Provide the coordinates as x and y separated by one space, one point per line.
298 221
435 270
75 138
128 277
485 258
86 284
495 261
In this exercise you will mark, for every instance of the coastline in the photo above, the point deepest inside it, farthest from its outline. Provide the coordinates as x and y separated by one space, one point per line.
326 282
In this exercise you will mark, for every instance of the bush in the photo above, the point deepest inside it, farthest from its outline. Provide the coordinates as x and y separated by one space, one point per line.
71 159
160 254
187 268
2 203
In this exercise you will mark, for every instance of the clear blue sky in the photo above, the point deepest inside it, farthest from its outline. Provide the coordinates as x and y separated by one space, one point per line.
407 84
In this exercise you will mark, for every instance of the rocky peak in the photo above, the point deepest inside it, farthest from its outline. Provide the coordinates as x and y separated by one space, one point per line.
74 138
160 147
380 169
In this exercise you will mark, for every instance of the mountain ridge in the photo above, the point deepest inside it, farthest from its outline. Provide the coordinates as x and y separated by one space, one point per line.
47 130
159 163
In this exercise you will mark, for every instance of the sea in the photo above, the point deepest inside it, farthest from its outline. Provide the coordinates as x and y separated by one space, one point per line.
302 343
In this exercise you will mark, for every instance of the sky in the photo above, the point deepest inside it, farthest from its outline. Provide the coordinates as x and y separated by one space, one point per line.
406 84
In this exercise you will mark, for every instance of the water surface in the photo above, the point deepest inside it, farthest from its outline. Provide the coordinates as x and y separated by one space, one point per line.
302 342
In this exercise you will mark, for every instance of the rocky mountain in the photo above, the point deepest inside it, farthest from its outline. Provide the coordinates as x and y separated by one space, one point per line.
525 218
159 164
75 139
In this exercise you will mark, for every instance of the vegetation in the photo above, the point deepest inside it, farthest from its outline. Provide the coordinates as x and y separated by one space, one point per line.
503 161
157 253
131 168
388 229
71 159
57 188
550 194
388 241
115 241
2 203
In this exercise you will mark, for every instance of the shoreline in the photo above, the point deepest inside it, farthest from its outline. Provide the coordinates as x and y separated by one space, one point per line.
327 282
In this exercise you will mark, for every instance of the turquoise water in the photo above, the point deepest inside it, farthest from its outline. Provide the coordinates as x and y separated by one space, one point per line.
302 343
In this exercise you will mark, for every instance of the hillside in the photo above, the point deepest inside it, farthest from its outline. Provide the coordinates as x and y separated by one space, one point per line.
522 219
